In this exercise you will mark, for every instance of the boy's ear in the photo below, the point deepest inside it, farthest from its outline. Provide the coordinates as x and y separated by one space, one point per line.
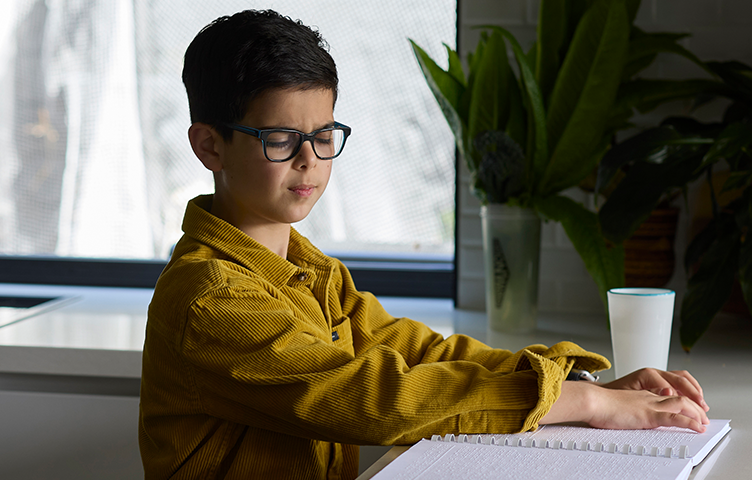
205 143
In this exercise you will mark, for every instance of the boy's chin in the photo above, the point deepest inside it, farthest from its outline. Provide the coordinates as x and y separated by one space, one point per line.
299 216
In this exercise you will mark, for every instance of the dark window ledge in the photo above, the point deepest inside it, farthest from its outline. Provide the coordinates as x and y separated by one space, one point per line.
400 277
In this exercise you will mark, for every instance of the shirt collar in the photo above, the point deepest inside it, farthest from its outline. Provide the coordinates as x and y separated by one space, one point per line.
239 248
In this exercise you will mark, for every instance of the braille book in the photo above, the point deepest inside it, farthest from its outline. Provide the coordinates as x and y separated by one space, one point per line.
559 452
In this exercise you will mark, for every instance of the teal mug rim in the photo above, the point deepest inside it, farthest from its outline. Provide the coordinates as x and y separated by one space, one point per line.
642 292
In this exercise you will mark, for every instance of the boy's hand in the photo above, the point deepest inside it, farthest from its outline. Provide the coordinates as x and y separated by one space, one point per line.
676 383
644 399
638 409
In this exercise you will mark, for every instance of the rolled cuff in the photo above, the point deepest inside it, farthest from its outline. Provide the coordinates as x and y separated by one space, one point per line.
552 365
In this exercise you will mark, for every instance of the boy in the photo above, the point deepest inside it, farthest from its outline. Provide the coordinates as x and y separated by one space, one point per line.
262 360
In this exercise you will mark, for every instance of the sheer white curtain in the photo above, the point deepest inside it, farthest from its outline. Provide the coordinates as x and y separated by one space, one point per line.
75 166
93 122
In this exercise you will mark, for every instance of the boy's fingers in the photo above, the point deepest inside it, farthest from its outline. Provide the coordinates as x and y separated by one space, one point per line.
689 378
686 385
693 381
668 419
685 407
664 391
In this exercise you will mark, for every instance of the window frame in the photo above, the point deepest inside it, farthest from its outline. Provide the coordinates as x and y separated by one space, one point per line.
396 277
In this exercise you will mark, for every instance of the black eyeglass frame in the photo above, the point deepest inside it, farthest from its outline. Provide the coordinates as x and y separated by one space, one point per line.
305 137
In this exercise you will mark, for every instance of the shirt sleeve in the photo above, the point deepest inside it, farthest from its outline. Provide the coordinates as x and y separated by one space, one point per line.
253 361
417 343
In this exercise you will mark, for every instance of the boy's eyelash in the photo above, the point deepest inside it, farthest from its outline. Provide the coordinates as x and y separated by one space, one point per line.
278 144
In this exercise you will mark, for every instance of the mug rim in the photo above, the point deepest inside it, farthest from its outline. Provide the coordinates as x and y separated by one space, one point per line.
641 291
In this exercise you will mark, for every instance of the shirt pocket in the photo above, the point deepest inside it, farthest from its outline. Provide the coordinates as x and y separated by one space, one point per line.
342 335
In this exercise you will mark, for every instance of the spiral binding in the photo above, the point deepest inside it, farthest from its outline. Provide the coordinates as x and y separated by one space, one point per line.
623 449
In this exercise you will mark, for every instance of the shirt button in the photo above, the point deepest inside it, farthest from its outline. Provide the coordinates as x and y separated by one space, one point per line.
302 277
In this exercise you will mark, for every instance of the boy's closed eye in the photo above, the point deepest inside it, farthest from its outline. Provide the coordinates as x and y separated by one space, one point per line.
282 140
324 138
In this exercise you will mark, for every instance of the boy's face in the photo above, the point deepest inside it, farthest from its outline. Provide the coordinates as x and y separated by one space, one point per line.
255 192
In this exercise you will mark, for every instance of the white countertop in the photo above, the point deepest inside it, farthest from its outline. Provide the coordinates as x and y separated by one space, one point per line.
100 333
97 332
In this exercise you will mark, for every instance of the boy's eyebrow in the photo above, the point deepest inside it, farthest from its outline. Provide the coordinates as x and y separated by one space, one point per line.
273 127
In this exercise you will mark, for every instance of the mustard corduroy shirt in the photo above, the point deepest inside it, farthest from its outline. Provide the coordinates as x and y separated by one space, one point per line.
256 366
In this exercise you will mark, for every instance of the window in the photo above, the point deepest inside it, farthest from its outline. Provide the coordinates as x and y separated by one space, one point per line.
94 117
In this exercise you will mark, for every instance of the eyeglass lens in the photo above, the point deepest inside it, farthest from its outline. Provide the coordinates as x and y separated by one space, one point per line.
283 145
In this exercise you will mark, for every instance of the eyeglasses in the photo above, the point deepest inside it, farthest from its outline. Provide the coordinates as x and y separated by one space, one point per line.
282 144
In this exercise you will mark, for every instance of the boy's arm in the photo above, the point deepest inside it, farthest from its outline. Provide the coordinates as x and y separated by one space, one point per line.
417 343
253 362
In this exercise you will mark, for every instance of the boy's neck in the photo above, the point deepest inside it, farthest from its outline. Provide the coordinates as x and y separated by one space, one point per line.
274 236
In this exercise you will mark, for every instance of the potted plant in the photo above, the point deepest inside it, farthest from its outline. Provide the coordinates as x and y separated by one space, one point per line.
669 157
528 135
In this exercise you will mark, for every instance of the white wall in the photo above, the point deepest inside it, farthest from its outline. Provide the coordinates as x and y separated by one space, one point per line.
720 30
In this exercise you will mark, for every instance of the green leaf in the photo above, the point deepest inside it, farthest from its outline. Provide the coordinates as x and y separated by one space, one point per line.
532 55
645 95
737 75
536 113
734 139
447 91
648 45
455 66
709 288
640 191
619 119
632 7
516 126
604 262
700 244
472 61
552 25
575 9
632 68
584 93
576 69
449 87
487 107
636 63
737 181
645 145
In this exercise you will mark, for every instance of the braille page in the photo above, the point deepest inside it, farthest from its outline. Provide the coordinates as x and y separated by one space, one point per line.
429 460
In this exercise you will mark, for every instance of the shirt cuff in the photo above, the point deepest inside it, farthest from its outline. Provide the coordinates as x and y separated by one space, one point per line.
552 366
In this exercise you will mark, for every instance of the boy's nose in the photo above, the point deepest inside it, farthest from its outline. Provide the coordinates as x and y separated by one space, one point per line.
306 158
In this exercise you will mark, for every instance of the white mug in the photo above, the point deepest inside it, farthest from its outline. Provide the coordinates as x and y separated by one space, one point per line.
641 321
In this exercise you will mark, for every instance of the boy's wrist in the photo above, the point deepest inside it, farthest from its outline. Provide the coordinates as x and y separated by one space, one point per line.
576 403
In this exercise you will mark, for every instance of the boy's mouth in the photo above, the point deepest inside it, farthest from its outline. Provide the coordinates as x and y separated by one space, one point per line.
303 190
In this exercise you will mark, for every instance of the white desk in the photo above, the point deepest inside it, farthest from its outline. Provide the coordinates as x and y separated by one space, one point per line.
93 346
